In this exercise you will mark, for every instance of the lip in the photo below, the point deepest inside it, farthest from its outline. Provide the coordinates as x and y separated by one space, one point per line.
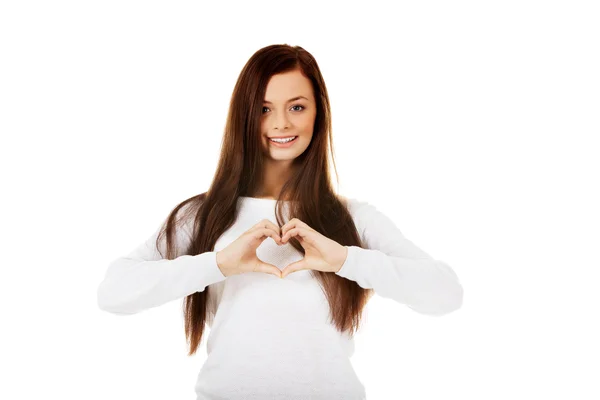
283 145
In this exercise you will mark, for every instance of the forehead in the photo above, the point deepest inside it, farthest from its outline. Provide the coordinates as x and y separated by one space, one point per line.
282 87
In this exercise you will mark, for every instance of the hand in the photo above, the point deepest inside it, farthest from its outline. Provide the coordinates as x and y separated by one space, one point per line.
240 255
321 253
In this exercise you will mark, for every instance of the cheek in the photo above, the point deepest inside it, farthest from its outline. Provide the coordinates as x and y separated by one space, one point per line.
307 124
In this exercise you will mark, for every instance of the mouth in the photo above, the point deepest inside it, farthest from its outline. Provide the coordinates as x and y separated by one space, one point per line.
284 142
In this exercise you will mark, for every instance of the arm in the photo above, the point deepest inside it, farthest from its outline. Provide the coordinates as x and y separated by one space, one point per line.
395 268
143 279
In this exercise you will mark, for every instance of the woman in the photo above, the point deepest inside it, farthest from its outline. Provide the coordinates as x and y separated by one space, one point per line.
276 263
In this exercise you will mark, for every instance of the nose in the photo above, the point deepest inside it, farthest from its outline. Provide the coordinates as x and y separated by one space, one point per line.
281 121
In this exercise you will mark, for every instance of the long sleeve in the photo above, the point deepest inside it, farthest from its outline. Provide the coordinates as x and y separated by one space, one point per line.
397 269
143 279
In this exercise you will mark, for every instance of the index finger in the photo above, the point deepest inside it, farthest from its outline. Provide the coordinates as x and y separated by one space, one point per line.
266 223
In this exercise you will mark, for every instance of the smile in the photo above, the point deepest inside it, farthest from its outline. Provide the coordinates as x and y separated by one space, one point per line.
284 143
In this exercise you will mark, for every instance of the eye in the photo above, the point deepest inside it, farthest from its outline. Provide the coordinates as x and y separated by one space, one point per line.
297 105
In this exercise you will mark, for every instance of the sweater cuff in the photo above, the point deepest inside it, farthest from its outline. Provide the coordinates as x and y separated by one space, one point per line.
208 269
349 268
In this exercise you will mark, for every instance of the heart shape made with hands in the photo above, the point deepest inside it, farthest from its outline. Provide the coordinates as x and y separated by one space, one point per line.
320 252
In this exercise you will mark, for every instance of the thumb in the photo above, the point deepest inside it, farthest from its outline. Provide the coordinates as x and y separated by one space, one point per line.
269 269
293 267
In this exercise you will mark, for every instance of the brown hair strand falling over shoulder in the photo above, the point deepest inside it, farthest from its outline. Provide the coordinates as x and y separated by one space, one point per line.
310 190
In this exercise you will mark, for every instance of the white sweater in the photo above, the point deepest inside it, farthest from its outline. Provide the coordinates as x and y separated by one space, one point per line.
271 338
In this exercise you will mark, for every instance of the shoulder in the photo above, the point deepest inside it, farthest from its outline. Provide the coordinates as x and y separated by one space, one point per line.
184 215
357 207
364 214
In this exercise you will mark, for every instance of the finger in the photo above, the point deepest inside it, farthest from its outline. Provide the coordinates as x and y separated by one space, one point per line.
265 223
269 269
294 223
261 233
293 267
303 233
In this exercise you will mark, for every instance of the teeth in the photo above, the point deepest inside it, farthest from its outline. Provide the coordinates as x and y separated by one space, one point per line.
283 140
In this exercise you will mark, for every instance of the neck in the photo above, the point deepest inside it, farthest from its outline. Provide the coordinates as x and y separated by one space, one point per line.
275 175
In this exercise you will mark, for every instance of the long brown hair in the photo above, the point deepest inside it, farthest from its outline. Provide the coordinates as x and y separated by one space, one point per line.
310 191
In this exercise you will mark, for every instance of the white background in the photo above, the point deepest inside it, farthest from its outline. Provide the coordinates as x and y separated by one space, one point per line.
470 123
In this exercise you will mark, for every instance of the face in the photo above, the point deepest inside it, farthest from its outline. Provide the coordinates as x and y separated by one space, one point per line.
289 109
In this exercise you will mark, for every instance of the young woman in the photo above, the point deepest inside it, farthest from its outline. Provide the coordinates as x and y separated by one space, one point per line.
276 263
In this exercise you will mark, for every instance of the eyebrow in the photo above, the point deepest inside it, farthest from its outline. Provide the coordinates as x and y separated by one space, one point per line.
290 100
